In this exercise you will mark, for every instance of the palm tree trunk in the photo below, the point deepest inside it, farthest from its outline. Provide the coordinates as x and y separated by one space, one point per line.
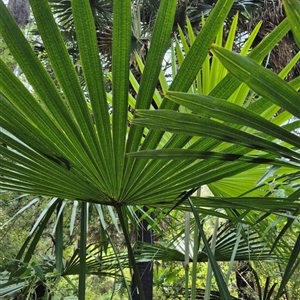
245 283
145 268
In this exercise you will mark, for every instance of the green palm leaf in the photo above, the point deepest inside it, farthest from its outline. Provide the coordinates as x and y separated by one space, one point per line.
277 91
292 9
189 124
223 250
80 162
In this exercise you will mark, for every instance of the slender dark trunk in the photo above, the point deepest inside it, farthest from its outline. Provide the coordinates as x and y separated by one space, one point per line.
145 268
245 282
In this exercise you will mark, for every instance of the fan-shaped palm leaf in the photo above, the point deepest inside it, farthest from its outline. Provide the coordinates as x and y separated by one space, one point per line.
87 161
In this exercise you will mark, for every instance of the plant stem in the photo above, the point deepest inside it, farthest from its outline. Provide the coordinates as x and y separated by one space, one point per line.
187 253
195 256
195 260
130 253
209 267
82 252
59 238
